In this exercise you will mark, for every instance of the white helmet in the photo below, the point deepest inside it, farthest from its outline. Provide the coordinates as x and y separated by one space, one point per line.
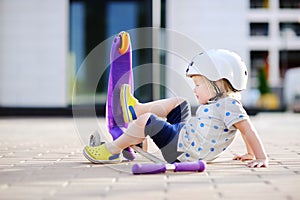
217 64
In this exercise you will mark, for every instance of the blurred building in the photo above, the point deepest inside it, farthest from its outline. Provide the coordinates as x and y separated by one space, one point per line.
44 43
266 33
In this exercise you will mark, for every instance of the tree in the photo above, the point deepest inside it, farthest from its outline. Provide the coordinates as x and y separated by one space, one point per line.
263 85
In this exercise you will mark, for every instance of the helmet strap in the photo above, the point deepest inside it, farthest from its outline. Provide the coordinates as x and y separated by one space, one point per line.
218 93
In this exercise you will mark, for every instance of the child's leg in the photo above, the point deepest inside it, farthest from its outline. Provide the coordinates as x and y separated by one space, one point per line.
164 134
132 109
134 134
160 108
110 152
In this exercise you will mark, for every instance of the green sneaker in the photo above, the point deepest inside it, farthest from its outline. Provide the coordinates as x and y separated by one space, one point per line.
100 154
127 103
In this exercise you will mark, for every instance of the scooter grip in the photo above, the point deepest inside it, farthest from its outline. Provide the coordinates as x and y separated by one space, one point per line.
190 166
148 168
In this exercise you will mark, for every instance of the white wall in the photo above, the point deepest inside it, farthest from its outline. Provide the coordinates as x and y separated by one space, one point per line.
33 53
212 24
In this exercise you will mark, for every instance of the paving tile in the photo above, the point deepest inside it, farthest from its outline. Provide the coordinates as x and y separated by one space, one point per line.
25 192
51 166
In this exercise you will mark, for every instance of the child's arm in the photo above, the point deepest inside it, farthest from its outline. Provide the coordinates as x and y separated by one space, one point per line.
253 143
249 155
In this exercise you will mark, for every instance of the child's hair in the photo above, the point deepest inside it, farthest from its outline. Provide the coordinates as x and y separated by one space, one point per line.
225 88
228 90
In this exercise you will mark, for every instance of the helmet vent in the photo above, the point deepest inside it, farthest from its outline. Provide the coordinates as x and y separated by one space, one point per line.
187 70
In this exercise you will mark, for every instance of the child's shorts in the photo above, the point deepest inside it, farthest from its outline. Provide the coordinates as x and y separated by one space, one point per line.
165 133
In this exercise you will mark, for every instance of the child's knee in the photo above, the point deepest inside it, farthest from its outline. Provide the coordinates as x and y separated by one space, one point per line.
179 100
137 128
143 119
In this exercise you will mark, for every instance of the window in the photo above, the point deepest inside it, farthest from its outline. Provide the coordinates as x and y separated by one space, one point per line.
94 21
258 59
290 4
259 29
259 4
288 59
288 29
258 62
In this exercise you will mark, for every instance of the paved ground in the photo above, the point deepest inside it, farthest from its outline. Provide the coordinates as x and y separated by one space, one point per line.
40 158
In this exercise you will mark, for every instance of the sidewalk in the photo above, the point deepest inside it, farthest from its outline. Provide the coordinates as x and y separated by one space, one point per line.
42 159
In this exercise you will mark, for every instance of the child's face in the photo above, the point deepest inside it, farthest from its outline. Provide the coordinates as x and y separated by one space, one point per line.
203 89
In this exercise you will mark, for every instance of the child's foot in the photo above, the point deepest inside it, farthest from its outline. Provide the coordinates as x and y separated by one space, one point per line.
100 154
127 103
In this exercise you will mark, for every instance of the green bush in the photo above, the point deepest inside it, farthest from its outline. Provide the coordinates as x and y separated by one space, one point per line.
263 85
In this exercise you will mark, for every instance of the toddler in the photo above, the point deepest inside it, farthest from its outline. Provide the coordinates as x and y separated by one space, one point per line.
219 75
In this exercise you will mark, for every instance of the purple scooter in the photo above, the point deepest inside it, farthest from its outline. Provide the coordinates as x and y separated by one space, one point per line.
121 73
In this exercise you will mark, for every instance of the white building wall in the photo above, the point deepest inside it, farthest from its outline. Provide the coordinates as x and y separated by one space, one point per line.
33 53
212 24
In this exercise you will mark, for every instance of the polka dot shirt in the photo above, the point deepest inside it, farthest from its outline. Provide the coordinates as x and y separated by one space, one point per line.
211 131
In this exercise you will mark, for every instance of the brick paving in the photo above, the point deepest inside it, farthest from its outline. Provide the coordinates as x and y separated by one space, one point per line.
40 158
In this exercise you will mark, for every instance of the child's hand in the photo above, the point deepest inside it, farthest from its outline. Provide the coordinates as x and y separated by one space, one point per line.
245 157
258 163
